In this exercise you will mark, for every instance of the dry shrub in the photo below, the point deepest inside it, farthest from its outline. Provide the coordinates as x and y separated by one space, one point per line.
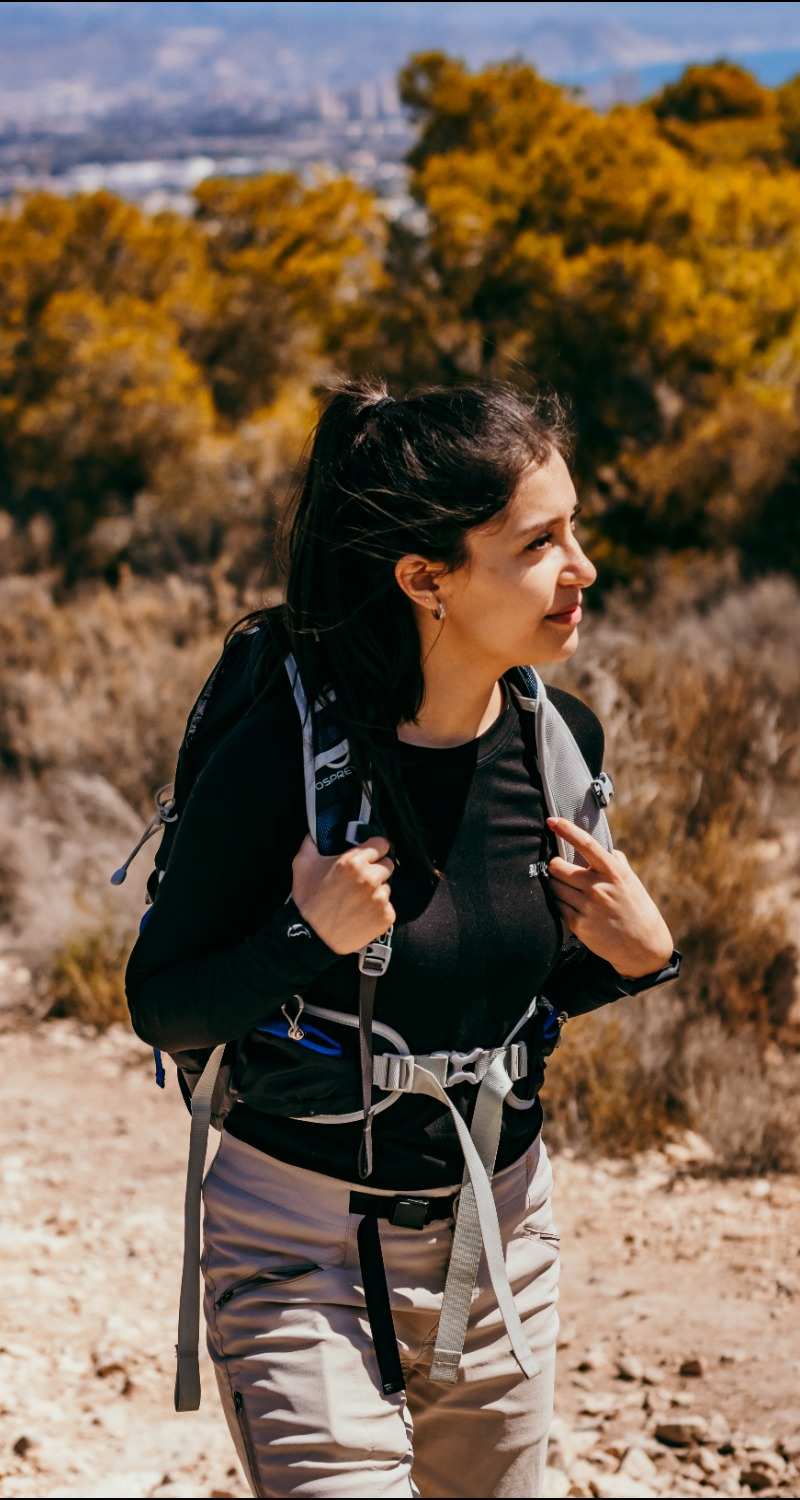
696 686
85 979
702 721
744 1102
613 1085
103 681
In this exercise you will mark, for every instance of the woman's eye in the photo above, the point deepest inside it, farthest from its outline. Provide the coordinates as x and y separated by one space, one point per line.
547 536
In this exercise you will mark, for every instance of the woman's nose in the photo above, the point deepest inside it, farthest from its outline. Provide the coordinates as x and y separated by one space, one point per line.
584 571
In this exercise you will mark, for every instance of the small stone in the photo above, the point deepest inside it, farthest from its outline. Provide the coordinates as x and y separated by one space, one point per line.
594 1358
556 1483
680 1398
586 1439
698 1145
719 1428
708 1461
682 1432
693 1367
638 1465
581 1475
629 1367
22 1446
599 1405
761 1188
561 1449
655 1399
768 1460
756 1479
651 1375
787 1285
620 1487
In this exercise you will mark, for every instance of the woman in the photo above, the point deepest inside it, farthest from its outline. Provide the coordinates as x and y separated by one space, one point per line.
432 545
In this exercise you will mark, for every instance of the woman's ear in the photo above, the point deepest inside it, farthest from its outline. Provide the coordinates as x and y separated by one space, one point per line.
418 578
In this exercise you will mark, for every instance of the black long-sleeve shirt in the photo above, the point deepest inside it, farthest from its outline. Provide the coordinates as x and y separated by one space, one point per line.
215 957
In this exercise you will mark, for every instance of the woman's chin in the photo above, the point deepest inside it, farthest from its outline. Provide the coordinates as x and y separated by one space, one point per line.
546 648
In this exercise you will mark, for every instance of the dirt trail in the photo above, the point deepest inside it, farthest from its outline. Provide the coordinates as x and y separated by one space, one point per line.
659 1266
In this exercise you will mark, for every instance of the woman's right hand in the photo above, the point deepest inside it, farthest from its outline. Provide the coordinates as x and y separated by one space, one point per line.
344 897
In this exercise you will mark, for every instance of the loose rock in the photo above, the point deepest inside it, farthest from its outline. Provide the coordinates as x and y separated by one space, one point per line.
682 1432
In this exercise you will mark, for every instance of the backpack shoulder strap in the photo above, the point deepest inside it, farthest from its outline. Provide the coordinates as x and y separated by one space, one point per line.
555 759
338 810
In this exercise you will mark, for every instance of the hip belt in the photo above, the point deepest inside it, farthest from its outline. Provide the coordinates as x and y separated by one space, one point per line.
493 1071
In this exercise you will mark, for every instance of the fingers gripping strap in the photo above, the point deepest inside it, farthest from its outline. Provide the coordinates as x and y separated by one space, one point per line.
476 1224
187 1375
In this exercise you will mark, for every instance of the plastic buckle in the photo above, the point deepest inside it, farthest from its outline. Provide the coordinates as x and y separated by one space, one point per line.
603 789
410 1213
458 1070
374 957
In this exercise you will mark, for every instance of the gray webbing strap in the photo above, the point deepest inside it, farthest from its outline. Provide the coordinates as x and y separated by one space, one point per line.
187 1375
366 1007
462 1270
476 1224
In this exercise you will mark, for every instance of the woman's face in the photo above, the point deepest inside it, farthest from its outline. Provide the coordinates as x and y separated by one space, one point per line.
522 569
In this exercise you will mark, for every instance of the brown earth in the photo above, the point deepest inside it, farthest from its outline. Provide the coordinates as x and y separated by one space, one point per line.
662 1263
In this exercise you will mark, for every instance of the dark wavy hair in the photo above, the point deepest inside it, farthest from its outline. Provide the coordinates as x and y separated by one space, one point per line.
385 476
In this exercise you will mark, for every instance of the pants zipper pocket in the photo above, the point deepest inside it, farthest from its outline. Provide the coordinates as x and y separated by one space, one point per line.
247 1439
284 1273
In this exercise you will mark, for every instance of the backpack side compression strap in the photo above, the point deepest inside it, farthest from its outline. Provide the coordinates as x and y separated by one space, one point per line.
187 1375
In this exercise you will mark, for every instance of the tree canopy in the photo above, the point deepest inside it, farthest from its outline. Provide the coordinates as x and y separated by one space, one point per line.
645 261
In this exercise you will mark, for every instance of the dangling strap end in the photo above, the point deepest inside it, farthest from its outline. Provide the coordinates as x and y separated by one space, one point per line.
365 1149
187 1381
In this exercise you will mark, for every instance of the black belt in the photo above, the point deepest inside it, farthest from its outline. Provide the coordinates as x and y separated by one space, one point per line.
408 1213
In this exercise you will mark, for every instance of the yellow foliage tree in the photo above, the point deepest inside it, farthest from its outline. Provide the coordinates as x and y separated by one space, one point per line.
598 252
108 392
295 269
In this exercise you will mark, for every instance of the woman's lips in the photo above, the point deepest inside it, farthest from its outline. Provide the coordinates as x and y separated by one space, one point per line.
569 617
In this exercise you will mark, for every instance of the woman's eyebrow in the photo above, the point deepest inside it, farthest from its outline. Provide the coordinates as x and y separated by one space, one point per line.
542 525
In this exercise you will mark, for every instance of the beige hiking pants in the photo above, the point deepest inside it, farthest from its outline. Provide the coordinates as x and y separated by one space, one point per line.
291 1346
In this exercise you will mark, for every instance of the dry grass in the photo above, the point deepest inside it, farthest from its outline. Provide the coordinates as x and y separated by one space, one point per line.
696 686
104 680
85 980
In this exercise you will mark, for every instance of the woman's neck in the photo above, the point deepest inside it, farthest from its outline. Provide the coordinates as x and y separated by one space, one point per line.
458 714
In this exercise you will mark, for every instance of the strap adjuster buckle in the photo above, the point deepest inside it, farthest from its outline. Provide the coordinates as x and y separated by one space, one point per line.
603 789
410 1213
374 957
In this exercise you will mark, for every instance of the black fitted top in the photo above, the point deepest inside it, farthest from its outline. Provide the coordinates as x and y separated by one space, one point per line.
214 957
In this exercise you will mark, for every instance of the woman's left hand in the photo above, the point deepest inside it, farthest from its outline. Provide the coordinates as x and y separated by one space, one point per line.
606 906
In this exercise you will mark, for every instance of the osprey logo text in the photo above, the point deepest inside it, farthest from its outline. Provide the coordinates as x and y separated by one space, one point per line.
297 930
337 776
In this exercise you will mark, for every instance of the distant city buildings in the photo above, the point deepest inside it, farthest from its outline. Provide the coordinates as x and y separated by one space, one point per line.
155 156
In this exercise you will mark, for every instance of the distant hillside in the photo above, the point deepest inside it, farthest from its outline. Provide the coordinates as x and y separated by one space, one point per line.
68 61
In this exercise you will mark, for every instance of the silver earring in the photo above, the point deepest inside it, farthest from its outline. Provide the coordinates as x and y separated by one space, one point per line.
440 611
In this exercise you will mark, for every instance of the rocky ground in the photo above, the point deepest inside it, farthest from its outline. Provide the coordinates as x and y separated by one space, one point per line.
679 1367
